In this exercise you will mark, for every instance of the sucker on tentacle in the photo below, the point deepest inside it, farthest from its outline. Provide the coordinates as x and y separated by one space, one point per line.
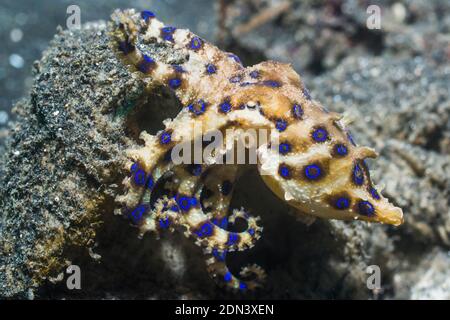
310 160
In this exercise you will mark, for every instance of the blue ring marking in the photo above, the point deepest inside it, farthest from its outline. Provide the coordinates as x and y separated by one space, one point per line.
341 149
284 148
232 238
184 203
139 177
320 135
297 111
225 107
126 47
164 223
313 172
227 277
206 230
358 175
226 187
255 74
174 208
198 111
168 29
306 94
193 201
167 33
134 167
251 231
168 37
235 58
224 223
210 68
281 125
166 137
146 64
147 15
342 203
284 172
242 286
150 182
196 43
374 193
137 213
175 83
236 79
271 83
219 255
177 68
366 208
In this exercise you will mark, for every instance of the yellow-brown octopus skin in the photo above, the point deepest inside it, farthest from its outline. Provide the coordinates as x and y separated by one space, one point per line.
311 161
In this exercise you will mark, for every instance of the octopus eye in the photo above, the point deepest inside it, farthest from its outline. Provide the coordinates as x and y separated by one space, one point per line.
313 172
365 208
